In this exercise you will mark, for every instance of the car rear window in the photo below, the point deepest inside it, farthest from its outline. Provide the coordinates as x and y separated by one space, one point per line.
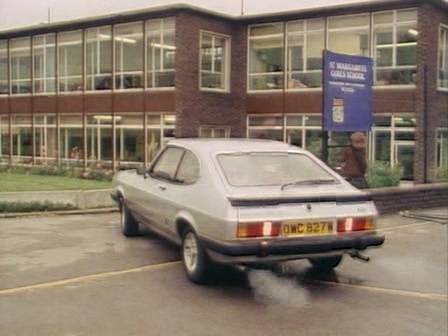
264 169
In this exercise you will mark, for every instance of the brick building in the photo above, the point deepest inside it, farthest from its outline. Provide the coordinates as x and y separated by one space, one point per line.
113 89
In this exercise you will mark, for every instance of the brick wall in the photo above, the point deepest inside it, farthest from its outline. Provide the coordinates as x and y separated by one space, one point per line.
429 19
194 107
390 200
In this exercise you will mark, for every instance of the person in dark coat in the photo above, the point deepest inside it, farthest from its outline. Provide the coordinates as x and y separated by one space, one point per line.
354 164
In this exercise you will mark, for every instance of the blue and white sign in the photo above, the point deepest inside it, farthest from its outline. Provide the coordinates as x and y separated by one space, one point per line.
347 90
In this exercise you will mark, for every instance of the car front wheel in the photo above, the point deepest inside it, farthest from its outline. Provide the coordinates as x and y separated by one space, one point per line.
326 263
194 258
129 226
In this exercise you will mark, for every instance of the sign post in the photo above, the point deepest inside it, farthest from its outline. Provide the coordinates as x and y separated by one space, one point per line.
347 95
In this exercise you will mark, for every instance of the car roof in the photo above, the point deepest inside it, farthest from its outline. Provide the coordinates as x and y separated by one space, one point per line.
207 145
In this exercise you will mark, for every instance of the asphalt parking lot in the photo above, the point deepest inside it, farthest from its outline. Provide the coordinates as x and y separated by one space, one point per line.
77 275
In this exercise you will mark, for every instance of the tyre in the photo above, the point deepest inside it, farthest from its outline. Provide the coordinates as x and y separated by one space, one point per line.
194 258
129 226
326 263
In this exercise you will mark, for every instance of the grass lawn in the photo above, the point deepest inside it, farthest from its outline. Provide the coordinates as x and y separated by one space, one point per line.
25 182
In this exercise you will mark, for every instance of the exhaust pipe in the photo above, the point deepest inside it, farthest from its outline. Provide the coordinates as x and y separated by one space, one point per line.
355 254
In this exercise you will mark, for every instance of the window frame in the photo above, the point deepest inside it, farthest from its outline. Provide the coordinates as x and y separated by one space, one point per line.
174 179
147 50
394 25
248 63
443 29
305 34
226 64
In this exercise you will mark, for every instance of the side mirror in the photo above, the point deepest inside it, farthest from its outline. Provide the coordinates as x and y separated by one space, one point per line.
142 171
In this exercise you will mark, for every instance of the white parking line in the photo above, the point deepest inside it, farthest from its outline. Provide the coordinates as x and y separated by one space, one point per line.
85 278
421 295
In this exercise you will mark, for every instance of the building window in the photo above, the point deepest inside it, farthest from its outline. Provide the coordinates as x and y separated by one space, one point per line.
214 61
44 53
266 57
160 129
4 136
443 58
22 135
160 53
395 44
442 149
99 58
45 138
265 127
70 61
130 137
214 132
20 50
305 42
99 137
71 143
4 81
129 56
349 34
392 141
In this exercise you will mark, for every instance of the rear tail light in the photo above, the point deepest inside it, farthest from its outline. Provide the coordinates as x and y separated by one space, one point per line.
258 229
351 224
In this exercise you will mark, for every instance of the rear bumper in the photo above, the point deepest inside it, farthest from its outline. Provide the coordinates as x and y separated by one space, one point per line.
272 250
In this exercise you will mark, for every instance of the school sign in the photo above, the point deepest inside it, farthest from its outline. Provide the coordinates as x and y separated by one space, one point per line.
347 90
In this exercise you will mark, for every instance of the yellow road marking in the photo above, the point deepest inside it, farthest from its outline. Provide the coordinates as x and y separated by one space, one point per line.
421 295
85 278
404 226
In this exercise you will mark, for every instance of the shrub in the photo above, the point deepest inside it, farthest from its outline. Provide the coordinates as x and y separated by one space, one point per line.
381 174
54 170
34 206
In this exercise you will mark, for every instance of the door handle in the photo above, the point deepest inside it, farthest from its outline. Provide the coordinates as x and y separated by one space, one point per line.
161 187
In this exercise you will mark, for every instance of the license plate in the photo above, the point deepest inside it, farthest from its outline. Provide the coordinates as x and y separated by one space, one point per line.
307 228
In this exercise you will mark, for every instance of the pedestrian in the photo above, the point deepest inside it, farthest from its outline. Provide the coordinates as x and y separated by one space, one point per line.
354 164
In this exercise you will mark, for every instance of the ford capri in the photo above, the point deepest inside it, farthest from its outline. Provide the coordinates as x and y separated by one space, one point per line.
246 202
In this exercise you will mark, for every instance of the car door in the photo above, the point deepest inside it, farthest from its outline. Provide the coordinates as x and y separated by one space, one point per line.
157 202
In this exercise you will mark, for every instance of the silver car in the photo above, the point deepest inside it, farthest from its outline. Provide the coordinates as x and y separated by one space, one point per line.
246 202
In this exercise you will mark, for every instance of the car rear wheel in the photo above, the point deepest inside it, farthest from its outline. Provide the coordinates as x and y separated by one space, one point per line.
326 263
194 258
129 226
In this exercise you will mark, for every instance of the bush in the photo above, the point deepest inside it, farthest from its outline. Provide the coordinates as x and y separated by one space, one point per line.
54 170
381 174
34 206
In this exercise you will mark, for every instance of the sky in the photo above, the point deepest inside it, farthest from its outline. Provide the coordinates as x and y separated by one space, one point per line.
20 13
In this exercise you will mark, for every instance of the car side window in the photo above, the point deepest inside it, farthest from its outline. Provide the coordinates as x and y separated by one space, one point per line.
166 166
189 169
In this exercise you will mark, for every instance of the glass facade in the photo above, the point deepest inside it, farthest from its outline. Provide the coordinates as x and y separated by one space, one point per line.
4 81
442 148
44 63
266 57
392 44
305 42
45 138
70 62
349 34
20 58
443 58
391 140
160 53
214 61
4 136
395 43
98 58
22 138
129 55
